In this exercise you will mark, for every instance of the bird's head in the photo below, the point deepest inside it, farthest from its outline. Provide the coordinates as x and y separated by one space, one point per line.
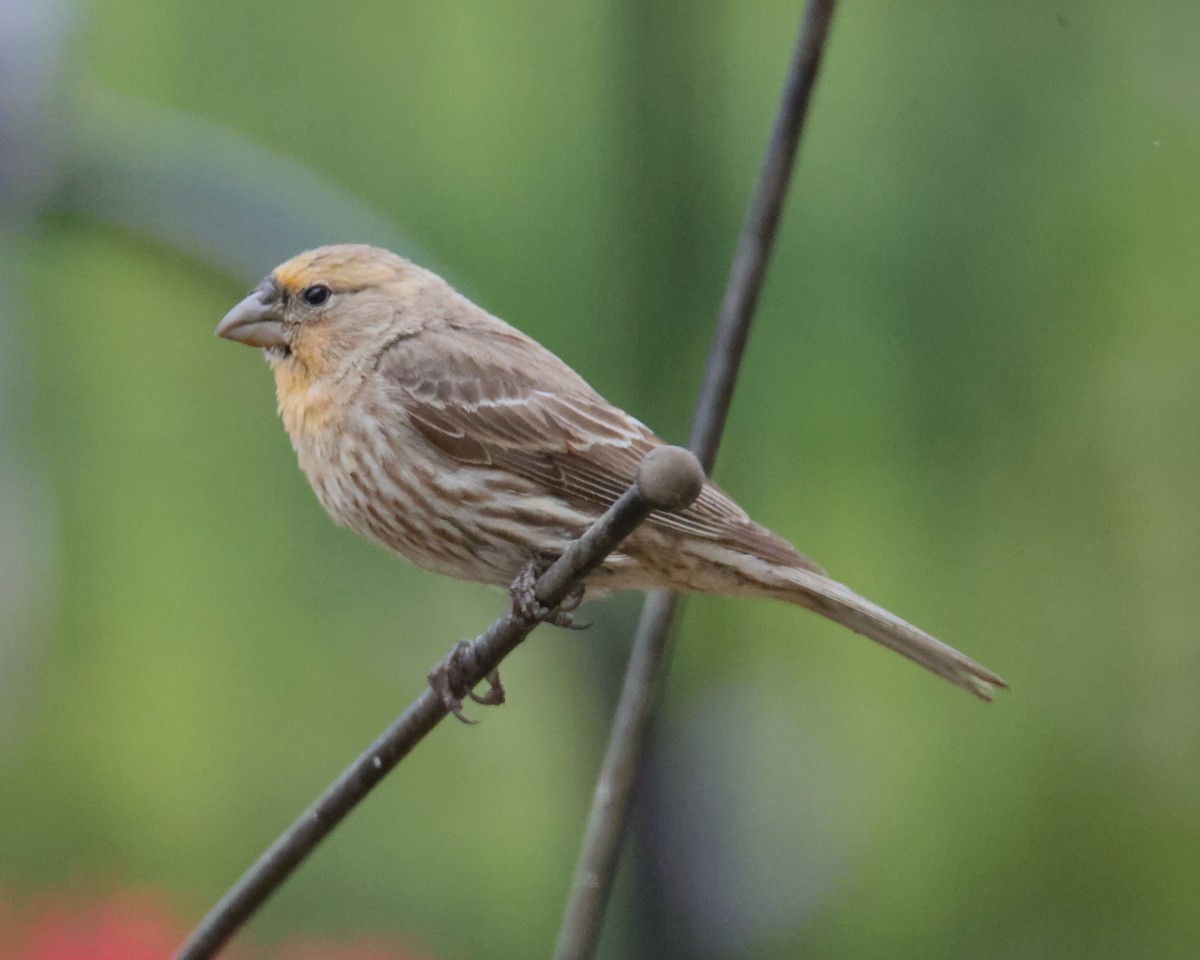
328 309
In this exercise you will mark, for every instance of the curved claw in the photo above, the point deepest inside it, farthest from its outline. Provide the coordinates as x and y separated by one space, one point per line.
574 599
447 682
495 693
560 618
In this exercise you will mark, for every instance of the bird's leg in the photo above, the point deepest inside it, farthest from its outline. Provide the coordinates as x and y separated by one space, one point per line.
525 604
447 678
448 683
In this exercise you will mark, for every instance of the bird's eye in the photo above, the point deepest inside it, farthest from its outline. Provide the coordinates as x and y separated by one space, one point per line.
316 295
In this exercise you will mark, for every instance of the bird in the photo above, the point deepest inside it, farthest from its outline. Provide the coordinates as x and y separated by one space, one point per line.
447 436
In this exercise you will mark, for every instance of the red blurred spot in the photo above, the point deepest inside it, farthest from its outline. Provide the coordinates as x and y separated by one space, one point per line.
127 926
138 926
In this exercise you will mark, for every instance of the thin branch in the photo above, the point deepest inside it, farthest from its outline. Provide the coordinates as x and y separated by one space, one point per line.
649 662
758 236
669 478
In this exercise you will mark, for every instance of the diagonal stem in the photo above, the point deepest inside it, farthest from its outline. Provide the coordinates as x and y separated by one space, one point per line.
673 487
649 661
753 254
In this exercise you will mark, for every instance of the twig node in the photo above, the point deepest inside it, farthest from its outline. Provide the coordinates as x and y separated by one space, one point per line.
670 477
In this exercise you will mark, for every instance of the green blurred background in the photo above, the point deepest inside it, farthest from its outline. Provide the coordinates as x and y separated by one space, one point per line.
973 394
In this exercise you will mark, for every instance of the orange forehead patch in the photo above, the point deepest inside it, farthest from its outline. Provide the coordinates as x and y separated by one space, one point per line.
344 267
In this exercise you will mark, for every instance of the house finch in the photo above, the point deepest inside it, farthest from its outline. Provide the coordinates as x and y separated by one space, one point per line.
431 427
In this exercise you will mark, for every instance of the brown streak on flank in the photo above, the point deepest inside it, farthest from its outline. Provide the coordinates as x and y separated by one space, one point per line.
377 524
424 504
471 495
392 523
530 515
396 474
388 524
522 540
358 463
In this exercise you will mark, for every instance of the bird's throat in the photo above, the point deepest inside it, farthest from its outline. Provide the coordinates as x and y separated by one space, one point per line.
305 404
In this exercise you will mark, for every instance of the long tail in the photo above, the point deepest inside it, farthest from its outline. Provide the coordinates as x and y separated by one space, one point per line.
839 603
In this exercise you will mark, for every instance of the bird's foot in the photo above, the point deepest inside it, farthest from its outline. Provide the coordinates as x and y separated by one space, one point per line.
527 607
448 681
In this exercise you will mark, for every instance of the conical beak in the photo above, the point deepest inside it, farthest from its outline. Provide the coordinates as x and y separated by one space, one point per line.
254 322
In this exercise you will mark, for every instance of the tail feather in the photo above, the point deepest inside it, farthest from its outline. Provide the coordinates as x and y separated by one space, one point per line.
841 604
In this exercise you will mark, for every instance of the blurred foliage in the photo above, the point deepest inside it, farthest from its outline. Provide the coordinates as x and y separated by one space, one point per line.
972 394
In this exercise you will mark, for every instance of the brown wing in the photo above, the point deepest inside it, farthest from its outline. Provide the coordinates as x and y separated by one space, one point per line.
493 397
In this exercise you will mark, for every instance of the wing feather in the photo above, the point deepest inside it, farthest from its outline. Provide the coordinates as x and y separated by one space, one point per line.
493 397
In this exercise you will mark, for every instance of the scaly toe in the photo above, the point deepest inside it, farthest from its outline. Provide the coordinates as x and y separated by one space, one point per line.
524 600
525 604
447 682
